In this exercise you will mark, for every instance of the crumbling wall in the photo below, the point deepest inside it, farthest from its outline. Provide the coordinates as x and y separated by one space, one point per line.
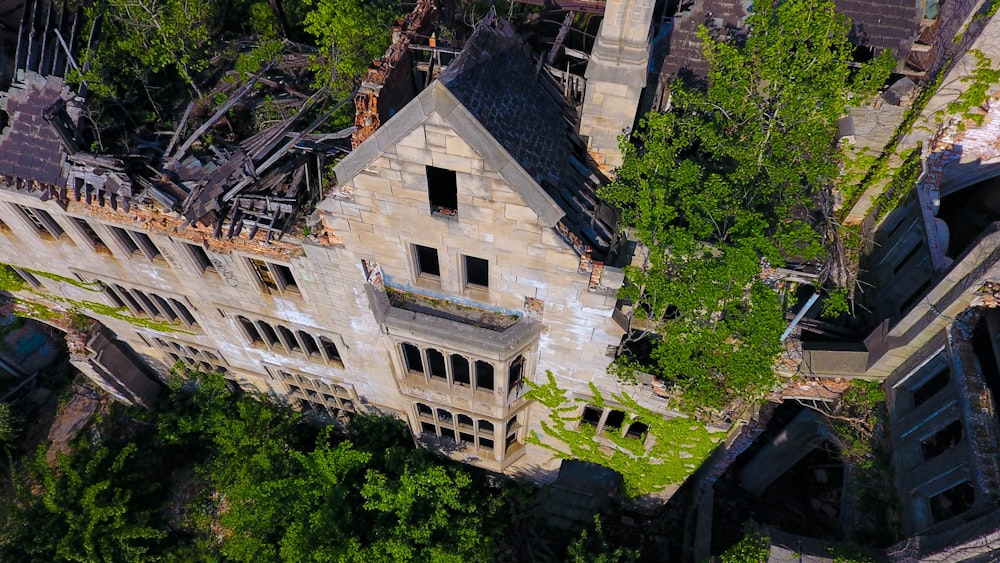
388 84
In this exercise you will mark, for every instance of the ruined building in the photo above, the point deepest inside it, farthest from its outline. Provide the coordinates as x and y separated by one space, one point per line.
461 250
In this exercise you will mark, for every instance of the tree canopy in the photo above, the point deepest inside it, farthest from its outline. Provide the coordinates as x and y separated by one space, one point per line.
732 177
222 475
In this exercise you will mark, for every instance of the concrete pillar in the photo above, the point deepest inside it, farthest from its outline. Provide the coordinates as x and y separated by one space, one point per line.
801 436
616 75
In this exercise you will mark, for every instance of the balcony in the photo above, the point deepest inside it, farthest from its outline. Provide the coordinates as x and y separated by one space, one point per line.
478 332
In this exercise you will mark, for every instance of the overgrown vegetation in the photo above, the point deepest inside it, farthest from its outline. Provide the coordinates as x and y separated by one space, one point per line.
667 452
970 103
728 178
754 547
223 476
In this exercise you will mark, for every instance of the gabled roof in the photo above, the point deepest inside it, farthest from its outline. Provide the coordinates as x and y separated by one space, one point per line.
511 115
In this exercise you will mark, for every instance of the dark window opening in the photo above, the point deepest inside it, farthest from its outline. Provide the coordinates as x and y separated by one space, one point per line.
163 306
982 346
448 433
486 426
183 311
912 299
511 440
931 387
424 410
28 277
467 438
146 245
310 343
428 428
484 375
411 354
899 265
444 416
942 441
427 261
285 278
952 502
486 443
516 374
289 339
442 190
460 370
91 234
637 430
270 337
591 415
200 257
435 361
126 241
477 272
615 419
464 421
330 349
511 424
251 331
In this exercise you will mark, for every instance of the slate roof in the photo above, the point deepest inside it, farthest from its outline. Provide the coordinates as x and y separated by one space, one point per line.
496 80
883 24
29 147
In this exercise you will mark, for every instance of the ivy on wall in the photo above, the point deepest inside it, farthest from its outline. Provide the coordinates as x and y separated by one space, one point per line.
10 281
671 450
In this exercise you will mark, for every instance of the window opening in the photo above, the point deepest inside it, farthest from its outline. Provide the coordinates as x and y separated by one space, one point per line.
486 443
591 415
428 428
435 361
942 441
486 426
477 272
442 190
615 419
448 433
411 354
88 231
953 502
460 370
931 387
637 430
330 349
427 261
126 241
200 257
251 331
484 375
444 416
464 421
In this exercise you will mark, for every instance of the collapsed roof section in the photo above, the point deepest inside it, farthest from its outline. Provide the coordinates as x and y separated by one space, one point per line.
261 183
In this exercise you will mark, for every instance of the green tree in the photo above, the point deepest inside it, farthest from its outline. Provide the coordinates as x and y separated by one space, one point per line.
350 34
91 505
140 37
10 425
731 176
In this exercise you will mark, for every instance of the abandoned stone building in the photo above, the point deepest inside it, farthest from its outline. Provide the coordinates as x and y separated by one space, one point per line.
461 251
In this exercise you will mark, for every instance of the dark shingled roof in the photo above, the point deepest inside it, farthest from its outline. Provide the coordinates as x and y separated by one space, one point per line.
29 147
883 24
495 79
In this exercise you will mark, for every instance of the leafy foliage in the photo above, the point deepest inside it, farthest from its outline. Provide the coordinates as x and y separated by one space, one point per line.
754 547
267 487
140 37
10 424
349 35
593 547
674 449
729 177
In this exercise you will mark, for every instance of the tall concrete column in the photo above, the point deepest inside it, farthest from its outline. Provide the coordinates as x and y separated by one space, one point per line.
616 75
